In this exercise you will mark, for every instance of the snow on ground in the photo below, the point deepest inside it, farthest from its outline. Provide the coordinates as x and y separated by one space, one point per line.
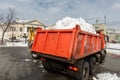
15 44
113 48
106 76
117 52
113 45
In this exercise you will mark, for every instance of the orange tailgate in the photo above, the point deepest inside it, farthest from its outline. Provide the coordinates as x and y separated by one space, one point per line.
54 42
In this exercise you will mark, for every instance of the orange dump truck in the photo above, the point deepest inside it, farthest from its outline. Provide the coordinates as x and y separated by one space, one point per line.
69 51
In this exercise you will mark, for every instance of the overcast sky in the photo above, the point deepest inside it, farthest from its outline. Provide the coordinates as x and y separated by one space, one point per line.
49 11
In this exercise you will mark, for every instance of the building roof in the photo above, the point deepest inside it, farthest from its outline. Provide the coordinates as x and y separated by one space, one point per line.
17 21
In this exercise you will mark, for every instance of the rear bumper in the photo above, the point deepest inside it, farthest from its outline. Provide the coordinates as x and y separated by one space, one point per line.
65 71
55 57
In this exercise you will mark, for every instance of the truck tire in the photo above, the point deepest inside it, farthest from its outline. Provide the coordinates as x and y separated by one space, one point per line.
48 67
35 56
84 70
98 57
103 54
92 63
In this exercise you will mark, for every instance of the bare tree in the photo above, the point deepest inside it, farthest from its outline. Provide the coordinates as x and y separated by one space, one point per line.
8 20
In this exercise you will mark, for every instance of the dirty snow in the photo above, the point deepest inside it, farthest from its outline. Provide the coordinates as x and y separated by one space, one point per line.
35 60
113 48
15 44
41 66
69 23
106 76
27 60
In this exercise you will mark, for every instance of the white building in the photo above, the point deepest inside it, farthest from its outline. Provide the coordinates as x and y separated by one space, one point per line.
19 28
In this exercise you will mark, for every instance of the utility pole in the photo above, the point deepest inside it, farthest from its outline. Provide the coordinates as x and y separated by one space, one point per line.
104 19
12 33
97 21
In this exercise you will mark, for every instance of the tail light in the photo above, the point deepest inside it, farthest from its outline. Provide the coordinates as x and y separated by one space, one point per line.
73 68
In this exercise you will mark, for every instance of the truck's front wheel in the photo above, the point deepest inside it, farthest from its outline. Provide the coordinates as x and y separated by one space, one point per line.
103 54
84 70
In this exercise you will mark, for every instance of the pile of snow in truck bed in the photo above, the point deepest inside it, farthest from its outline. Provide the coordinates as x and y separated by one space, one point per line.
69 23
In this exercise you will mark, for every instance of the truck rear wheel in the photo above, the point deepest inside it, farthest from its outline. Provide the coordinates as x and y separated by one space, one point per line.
84 70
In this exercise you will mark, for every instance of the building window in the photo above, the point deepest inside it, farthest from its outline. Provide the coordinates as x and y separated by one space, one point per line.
28 29
96 27
13 28
21 29
9 29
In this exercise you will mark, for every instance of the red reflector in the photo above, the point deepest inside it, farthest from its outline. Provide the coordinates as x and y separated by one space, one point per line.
42 59
73 68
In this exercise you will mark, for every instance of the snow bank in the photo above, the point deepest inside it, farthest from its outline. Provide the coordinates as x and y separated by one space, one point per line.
106 76
113 51
113 45
15 44
69 23
113 48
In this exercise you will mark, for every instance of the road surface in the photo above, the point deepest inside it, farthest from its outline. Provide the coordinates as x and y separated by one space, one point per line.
16 63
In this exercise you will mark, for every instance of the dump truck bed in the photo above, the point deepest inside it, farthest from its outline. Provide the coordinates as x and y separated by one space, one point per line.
68 43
